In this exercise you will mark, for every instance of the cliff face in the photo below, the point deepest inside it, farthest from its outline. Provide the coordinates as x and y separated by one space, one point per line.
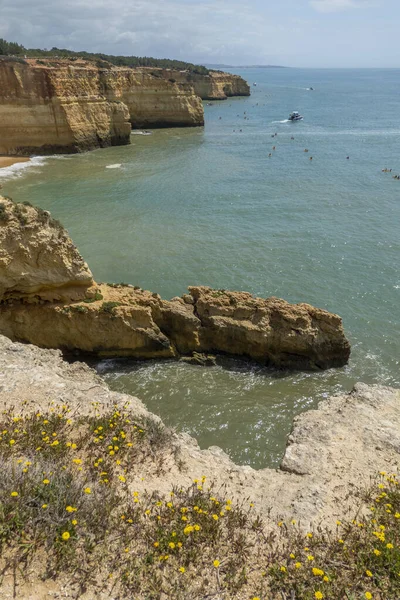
72 107
41 267
57 109
214 86
63 106
152 100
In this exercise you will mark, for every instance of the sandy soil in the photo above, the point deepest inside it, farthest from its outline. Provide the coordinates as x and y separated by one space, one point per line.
7 161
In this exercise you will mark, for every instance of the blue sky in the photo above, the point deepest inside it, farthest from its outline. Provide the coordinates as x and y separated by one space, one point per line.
299 33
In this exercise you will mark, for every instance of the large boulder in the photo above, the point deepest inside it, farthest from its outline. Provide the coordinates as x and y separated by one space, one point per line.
38 260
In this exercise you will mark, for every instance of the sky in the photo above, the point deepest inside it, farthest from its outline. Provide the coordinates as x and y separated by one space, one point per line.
297 33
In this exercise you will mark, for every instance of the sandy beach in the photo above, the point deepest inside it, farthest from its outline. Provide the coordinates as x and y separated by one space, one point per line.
7 161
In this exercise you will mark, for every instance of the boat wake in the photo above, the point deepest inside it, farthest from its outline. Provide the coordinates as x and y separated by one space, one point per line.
284 121
116 166
136 132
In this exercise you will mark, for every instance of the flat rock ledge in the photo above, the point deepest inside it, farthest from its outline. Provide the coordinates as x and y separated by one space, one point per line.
48 298
331 451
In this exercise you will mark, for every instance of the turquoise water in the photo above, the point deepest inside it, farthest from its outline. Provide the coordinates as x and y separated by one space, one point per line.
211 207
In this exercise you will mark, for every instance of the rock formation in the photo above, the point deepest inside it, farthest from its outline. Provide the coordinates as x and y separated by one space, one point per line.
49 299
64 106
38 260
151 99
57 109
217 85
331 451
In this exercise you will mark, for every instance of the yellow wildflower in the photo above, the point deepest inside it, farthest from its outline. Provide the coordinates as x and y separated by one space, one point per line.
87 490
66 535
318 595
14 494
298 565
46 481
216 563
182 569
368 595
368 573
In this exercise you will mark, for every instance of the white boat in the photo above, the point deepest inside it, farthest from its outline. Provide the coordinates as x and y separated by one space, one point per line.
295 116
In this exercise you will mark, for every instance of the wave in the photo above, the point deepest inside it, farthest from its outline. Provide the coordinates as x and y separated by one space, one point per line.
18 169
116 166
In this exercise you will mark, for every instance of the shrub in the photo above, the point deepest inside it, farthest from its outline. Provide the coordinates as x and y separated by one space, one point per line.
3 214
108 307
95 298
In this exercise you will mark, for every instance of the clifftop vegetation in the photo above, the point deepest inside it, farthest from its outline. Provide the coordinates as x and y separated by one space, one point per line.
15 49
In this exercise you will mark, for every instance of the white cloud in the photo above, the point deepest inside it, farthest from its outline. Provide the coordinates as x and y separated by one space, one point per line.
186 29
326 6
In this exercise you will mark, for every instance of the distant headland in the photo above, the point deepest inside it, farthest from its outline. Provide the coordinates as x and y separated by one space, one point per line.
221 66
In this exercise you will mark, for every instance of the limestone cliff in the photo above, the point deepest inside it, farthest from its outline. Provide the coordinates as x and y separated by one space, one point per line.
57 109
217 85
63 106
42 267
59 105
152 100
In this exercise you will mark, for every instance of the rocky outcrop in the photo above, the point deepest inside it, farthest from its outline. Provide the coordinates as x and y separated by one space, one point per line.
49 299
217 85
331 451
38 261
60 108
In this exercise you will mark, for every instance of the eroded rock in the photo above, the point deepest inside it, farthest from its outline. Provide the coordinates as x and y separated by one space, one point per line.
40 264
38 260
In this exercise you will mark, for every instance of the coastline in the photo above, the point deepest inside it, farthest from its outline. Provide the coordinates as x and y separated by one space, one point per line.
9 161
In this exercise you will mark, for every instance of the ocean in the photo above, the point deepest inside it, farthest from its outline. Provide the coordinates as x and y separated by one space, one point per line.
211 207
